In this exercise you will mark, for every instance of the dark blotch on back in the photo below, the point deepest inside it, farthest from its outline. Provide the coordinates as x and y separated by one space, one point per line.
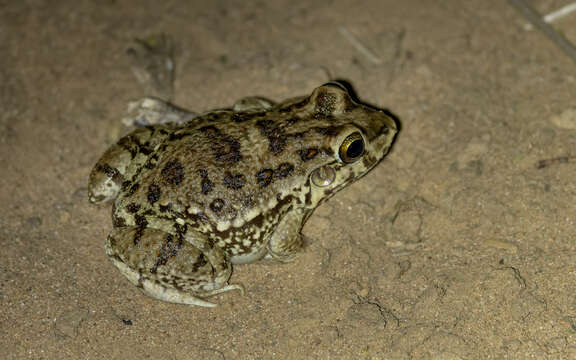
217 205
264 177
151 162
140 221
206 183
235 181
284 170
226 149
131 188
132 208
146 149
154 193
173 172
276 136
180 229
130 143
207 186
308 154
118 221
210 131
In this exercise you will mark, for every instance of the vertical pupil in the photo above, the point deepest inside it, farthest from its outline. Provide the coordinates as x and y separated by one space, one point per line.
355 149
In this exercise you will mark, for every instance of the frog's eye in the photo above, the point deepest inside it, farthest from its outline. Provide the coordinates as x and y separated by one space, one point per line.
352 148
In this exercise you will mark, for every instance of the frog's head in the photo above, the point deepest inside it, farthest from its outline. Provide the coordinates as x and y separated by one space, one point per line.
352 138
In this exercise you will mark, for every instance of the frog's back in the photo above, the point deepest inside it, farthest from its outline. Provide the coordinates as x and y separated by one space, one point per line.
232 172
225 169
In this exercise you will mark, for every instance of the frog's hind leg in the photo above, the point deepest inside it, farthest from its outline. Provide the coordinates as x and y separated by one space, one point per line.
169 268
117 166
155 119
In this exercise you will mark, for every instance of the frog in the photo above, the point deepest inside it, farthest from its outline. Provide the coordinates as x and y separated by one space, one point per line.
194 194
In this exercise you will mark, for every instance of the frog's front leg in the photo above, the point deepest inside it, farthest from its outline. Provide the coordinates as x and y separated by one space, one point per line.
175 268
286 240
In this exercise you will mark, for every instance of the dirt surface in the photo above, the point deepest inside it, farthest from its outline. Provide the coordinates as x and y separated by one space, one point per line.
457 246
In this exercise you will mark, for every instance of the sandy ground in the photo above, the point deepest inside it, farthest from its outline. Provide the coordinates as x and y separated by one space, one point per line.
457 246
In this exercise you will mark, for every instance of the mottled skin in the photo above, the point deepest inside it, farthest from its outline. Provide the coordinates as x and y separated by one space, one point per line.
230 186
